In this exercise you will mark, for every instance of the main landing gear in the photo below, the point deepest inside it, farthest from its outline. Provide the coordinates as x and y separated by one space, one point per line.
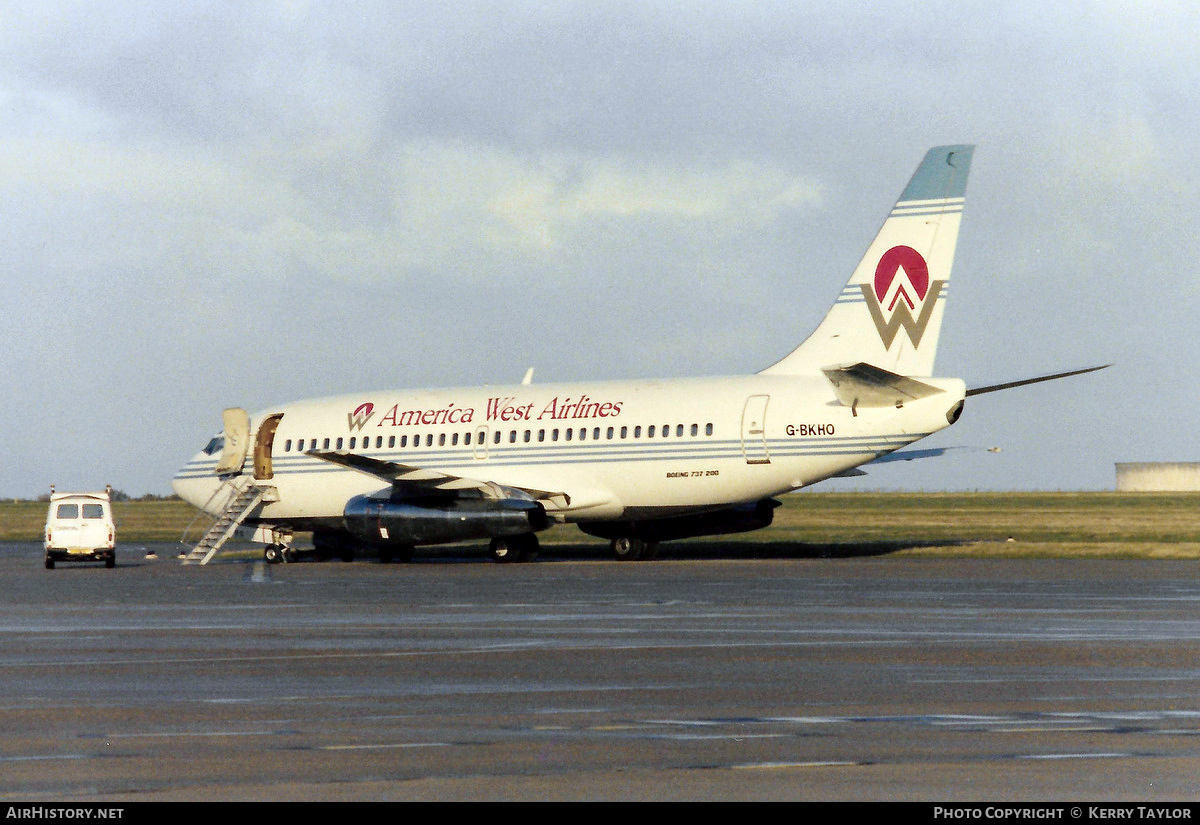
277 554
509 549
626 548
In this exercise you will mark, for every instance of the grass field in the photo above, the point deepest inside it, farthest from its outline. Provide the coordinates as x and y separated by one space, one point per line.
1117 525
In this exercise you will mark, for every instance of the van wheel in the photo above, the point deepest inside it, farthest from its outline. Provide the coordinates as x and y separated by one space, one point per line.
49 563
110 562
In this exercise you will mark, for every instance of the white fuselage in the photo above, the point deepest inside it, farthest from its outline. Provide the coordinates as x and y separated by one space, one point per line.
603 450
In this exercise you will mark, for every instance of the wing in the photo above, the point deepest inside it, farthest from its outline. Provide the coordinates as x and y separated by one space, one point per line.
419 481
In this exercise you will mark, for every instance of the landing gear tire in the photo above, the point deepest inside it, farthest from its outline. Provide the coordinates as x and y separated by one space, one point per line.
650 551
390 554
509 549
627 549
273 554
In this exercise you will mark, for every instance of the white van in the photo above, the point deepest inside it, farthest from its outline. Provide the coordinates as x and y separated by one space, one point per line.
79 527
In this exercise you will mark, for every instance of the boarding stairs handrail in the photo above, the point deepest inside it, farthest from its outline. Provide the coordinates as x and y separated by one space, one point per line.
244 496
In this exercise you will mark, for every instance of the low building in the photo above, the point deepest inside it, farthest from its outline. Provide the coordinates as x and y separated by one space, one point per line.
1162 476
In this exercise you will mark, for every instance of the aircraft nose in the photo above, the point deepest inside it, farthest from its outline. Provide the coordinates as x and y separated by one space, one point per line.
194 483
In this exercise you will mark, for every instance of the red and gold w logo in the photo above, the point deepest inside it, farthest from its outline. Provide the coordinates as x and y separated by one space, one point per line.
361 415
901 287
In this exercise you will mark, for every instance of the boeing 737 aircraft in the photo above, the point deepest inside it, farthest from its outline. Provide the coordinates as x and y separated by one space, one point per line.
634 462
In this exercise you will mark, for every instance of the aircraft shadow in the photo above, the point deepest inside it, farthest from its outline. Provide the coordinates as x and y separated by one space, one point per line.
706 550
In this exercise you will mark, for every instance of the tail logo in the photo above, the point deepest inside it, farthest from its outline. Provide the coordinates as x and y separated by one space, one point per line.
361 415
902 295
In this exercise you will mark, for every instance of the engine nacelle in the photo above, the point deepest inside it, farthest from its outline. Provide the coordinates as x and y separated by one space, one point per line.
380 520
740 518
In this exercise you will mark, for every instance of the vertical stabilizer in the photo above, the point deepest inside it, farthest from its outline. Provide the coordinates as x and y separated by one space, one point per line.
889 315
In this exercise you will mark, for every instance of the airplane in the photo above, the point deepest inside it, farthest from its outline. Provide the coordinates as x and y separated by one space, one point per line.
634 462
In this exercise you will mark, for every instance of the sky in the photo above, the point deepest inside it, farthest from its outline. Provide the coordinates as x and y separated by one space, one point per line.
215 204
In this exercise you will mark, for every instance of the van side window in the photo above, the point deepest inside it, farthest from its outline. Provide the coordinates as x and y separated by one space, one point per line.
68 511
93 511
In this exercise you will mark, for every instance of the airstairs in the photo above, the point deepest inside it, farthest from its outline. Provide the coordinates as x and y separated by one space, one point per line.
243 496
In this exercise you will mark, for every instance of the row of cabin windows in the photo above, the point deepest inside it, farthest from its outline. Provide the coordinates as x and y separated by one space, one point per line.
526 436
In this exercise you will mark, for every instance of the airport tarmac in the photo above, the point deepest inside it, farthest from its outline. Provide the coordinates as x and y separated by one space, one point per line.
687 678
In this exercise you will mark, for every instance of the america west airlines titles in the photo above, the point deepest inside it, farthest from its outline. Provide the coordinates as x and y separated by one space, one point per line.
498 409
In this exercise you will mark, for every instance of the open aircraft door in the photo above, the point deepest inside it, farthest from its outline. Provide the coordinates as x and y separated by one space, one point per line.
754 430
263 443
237 441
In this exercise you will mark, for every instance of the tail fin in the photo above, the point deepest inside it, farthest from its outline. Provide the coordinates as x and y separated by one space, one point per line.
890 313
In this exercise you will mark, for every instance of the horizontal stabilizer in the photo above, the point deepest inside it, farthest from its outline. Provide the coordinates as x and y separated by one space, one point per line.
913 455
863 385
1022 382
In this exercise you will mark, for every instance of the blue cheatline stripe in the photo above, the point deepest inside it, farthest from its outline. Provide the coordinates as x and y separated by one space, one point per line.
853 294
580 455
948 206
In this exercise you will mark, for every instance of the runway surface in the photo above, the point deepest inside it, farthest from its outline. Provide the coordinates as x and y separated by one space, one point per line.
583 679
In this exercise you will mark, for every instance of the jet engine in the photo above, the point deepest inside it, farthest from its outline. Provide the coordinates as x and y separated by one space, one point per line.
383 520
